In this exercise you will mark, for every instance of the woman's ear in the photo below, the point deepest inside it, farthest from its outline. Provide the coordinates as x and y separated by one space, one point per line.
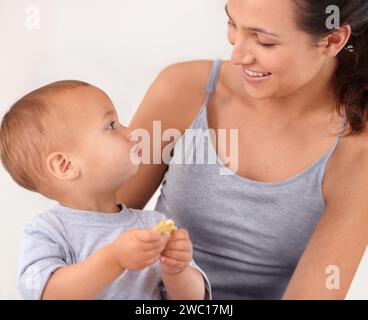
61 167
336 41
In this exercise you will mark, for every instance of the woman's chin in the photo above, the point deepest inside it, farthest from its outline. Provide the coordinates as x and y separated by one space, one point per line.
259 94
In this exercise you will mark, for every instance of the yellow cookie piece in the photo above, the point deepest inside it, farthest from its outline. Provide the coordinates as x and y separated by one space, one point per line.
167 226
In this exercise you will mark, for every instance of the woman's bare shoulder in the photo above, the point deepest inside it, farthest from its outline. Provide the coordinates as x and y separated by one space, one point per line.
354 147
348 164
182 70
175 96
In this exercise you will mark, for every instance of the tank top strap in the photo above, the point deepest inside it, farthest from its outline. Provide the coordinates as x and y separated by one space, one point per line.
200 119
212 81
342 130
332 150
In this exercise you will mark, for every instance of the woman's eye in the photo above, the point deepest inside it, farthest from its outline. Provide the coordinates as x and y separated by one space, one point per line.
111 125
267 45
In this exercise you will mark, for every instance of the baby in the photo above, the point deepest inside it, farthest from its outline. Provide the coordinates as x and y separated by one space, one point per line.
65 142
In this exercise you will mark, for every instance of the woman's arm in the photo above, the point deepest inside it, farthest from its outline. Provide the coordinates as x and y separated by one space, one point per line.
329 263
174 99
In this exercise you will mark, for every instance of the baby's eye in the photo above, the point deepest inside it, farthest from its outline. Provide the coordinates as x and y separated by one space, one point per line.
111 125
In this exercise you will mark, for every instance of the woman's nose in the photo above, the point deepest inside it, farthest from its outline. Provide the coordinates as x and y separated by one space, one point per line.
241 53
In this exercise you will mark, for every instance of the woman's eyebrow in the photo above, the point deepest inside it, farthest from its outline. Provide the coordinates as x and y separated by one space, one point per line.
254 29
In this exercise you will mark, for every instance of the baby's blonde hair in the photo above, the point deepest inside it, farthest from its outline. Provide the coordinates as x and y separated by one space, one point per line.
26 135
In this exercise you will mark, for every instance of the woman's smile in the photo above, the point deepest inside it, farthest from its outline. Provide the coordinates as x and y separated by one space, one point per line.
254 76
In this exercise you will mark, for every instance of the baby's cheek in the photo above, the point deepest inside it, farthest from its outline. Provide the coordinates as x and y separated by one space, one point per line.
127 153
107 151
118 146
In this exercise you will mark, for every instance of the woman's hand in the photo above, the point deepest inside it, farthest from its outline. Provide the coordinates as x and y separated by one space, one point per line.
177 254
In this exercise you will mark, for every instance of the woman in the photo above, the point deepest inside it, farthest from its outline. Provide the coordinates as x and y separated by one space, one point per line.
291 221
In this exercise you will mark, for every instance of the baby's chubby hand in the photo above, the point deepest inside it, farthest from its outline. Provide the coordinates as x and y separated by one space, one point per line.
177 254
136 249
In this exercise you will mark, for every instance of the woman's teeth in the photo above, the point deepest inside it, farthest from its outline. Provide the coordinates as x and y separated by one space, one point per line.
256 74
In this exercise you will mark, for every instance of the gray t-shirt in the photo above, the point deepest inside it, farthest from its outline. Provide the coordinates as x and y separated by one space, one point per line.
63 236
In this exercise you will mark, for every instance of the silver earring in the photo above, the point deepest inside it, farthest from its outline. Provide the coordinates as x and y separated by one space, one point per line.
349 48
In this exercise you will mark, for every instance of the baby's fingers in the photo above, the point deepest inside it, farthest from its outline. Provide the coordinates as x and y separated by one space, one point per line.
149 235
183 256
180 234
151 260
179 245
173 264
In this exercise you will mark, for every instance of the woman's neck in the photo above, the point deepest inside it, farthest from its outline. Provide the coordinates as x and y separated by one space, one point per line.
315 97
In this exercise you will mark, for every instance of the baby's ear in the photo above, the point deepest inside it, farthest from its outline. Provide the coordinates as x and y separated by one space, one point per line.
61 167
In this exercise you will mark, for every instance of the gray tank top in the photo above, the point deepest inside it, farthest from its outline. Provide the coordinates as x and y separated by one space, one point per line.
247 236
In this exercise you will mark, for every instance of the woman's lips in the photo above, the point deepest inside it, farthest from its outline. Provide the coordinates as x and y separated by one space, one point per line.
254 79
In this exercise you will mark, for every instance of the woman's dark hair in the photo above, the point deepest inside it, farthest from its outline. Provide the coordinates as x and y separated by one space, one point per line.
351 80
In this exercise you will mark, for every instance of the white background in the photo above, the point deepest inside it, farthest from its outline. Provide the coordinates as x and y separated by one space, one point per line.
118 45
